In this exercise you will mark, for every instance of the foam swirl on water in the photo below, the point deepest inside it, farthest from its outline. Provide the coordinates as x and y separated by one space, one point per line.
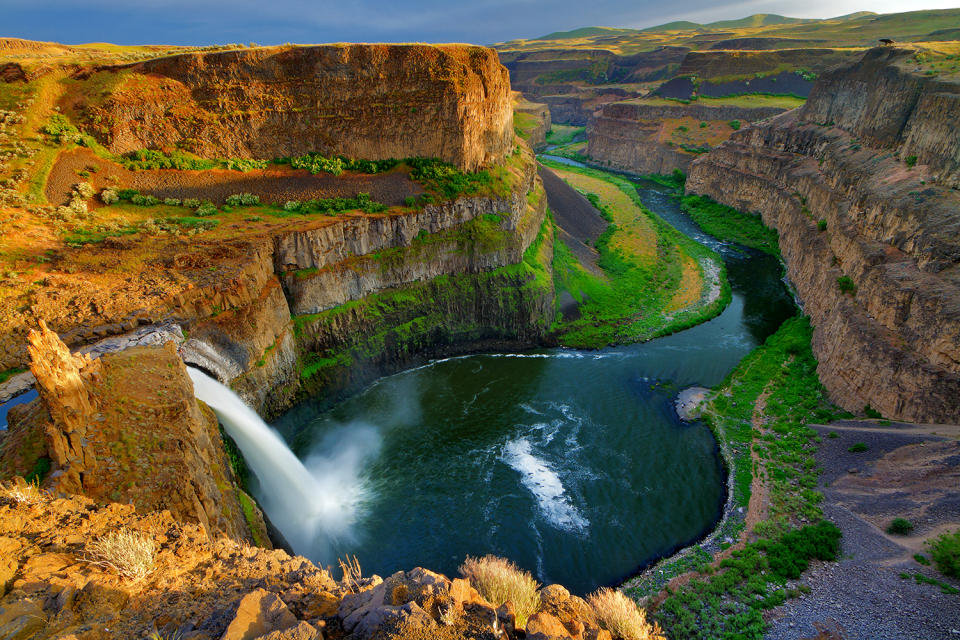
545 485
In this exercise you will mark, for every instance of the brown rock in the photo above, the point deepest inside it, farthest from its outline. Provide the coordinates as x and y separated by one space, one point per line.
8 562
543 626
259 613
21 620
378 101
303 631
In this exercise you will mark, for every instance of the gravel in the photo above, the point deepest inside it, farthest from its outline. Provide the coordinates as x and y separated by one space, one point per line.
863 594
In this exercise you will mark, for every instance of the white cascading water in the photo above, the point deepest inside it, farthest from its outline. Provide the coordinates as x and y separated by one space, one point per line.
313 508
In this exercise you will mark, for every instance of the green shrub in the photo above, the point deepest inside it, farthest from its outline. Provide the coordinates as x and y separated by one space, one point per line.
872 413
172 202
846 285
152 159
791 556
734 124
291 205
703 125
922 559
833 434
60 130
192 203
822 225
911 161
900 527
446 179
144 201
243 200
945 552
858 447
109 196
205 209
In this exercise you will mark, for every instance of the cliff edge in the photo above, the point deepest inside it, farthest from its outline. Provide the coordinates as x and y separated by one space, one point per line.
362 101
860 184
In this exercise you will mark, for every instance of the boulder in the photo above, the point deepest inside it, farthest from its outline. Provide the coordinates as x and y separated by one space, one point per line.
260 612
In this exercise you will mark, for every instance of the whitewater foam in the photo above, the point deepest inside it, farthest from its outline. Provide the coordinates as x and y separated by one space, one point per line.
545 485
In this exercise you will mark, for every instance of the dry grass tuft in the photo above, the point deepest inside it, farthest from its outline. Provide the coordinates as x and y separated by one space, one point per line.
352 574
499 580
622 617
21 491
129 553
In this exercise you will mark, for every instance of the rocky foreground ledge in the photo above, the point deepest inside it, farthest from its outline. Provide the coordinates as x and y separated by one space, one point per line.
53 584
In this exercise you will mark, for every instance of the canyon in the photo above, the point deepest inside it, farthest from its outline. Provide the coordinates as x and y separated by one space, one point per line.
837 179
309 296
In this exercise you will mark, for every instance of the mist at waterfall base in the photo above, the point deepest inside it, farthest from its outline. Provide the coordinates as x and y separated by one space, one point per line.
314 503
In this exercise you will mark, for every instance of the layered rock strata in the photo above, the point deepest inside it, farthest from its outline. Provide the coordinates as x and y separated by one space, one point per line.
630 136
362 101
857 184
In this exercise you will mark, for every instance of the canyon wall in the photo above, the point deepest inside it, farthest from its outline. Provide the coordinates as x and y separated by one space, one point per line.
871 242
633 136
363 101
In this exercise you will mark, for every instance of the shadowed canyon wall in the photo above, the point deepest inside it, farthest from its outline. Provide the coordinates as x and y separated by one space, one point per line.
858 184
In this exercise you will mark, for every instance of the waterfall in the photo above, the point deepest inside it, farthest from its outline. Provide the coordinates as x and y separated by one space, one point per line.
314 508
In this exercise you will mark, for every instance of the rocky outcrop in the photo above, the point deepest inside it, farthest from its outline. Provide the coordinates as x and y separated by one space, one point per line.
533 122
213 588
362 101
885 104
872 244
125 427
632 136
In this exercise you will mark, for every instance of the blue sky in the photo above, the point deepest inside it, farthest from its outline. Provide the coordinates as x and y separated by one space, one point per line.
314 21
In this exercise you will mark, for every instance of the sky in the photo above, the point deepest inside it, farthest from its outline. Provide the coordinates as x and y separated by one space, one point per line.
196 22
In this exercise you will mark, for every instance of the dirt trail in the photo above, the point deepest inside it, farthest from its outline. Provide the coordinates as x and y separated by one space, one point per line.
909 472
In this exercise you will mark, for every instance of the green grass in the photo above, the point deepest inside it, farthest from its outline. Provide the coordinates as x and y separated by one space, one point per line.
561 134
722 222
9 373
630 303
730 602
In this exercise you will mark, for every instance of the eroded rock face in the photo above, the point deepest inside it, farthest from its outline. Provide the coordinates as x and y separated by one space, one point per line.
362 101
891 337
127 428
630 136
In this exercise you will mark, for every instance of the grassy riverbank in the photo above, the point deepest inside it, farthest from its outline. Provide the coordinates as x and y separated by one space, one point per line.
760 415
719 220
655 280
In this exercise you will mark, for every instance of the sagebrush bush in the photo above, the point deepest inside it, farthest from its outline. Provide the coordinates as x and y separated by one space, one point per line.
84 190
242 200
192 203
622 617
206 209
130 553
945 552
109 196
499 580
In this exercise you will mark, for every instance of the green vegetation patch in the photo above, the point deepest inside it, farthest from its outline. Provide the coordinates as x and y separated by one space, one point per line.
729 603
723 222
561 134
630 303
9 373
945 552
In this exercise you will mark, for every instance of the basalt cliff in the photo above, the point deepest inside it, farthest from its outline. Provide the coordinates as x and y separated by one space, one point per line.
361 101
861 183
636 137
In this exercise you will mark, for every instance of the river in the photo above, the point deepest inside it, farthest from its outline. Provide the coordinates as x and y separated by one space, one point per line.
572 464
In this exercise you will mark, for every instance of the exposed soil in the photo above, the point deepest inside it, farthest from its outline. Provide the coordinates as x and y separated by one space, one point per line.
906 472
275 184
579 221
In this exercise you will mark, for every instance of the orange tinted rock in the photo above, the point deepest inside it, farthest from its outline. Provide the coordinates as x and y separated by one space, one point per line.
259 613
